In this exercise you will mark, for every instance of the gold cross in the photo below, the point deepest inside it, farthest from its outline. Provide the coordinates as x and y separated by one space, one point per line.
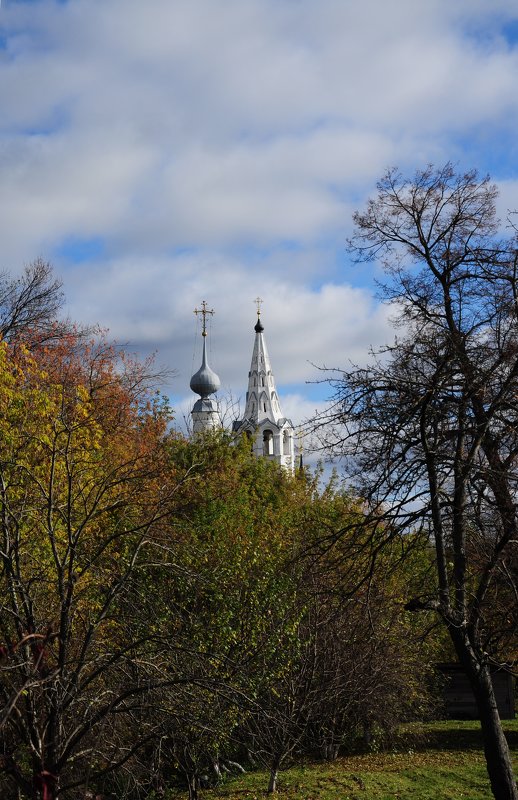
204 311
258 303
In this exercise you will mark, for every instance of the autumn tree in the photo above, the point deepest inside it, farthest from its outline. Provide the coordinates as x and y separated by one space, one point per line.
429 431
84 481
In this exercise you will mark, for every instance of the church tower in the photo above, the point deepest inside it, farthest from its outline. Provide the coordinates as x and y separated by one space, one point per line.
205 382
270 432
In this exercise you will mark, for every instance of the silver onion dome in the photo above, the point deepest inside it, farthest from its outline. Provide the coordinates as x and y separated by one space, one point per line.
205 381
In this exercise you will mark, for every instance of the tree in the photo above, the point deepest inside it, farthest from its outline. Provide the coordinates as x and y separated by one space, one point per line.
344 667
372 663
237 593
429 431
84 482
30 304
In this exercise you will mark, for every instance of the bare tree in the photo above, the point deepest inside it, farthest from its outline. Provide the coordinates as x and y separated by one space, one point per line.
30 303
429 431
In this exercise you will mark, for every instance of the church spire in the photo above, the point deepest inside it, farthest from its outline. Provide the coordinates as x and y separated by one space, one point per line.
262 401
204 382
263 419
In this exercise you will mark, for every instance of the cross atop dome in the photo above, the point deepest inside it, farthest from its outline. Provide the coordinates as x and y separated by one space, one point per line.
204 311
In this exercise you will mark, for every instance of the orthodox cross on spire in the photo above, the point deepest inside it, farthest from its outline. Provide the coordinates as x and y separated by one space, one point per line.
204 311
258 325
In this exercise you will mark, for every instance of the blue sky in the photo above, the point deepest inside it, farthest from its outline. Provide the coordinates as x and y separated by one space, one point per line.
163 152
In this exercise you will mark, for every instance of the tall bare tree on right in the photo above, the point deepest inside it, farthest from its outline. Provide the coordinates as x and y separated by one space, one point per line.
429 431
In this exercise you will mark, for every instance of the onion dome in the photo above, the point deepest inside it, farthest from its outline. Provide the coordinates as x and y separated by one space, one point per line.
205 381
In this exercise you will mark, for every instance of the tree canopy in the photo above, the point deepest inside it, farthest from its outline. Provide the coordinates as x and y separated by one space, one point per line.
172 608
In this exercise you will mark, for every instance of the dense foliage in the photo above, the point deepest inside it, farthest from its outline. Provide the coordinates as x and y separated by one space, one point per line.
173 609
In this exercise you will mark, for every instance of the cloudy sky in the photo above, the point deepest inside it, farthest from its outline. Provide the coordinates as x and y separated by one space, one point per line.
164 152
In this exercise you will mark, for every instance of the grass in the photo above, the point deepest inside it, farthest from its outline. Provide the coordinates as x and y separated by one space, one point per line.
436 761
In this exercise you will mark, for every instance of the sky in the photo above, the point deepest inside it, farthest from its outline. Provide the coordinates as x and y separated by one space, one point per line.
164 152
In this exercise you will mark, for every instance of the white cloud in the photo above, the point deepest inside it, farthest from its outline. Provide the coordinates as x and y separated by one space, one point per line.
508 200
174 121
217 151
150 305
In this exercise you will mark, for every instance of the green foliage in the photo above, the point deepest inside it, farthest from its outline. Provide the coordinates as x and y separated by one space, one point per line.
192 605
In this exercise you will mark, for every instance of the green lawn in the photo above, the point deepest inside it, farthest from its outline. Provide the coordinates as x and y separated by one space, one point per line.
437 761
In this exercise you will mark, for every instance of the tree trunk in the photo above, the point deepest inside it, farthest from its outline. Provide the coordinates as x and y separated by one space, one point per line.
496 750
272 783
192 785
45 786
274 774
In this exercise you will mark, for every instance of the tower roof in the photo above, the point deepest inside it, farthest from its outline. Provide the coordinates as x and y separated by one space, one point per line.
270 431
262 401
205 381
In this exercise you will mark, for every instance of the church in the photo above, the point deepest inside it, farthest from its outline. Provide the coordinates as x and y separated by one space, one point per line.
271 434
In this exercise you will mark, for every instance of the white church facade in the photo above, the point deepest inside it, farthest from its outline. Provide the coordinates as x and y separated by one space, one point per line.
271 434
